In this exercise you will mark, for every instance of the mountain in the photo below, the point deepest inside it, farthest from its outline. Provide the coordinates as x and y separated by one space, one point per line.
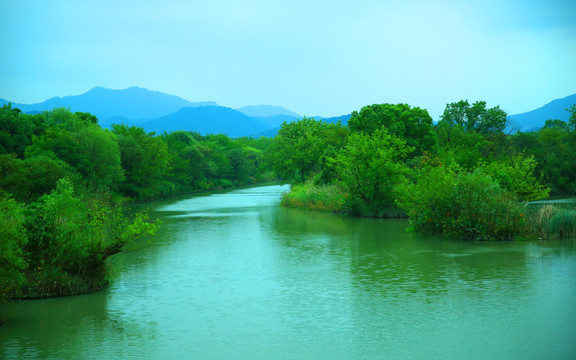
266 111
535 119
277 120
132 103
208 120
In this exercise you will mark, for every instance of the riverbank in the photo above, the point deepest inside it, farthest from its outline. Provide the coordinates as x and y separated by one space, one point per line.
201 191
491 217
236 275
59 244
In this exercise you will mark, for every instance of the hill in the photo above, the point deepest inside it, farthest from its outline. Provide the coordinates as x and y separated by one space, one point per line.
131 103
207 120
535 119
266 111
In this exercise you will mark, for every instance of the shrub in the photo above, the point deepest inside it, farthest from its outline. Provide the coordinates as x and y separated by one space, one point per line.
69 238
317 197
445 200
12 240
369 167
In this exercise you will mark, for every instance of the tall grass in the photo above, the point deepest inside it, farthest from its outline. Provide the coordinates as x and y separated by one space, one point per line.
316 197
552 221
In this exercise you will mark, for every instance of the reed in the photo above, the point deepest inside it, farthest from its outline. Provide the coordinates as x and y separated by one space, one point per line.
316 197
552 221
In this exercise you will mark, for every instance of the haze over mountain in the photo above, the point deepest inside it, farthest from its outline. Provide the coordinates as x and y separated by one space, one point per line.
132 103
535 119
207 120
156 111
266 111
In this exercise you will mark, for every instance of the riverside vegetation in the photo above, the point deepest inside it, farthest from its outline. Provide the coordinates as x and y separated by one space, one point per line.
63 178
468 176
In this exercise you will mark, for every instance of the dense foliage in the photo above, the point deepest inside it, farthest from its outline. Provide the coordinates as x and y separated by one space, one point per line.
63 176
468 175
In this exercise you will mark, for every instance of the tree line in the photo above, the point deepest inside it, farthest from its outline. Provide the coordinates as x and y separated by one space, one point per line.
63 178
469 175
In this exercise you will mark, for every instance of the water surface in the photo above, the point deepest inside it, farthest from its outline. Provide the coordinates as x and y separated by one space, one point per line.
236 276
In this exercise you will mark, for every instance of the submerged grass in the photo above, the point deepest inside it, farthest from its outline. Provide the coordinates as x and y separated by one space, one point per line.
316 197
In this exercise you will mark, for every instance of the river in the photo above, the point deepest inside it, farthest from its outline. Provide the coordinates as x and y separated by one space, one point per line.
236 276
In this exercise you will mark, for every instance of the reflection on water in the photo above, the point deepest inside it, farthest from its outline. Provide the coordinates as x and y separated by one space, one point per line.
235 276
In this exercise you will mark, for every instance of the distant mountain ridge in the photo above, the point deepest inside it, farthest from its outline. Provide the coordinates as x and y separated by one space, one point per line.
535 119
131 103
266 111
157 111
207 120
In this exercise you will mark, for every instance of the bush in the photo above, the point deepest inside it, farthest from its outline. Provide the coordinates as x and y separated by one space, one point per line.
317 197
445 200
69 238
369 167
12 240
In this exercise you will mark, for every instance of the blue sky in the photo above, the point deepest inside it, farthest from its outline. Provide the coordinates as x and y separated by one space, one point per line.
313 57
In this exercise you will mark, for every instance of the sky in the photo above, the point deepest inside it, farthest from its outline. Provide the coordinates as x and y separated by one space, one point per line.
313 57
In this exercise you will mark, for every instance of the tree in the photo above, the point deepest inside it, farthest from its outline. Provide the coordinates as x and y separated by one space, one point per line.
145 161
296 152
12 241
475 118
517 175
470 133
572 118
69 238
100 149
412 124
555 123
369 168
447 200
17 130
28 179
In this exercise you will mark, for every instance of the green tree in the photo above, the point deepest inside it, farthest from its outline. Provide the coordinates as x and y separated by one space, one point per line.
572 118
412 124
456 145
370 167
475 118
517 175
17 130
297 151
145 161
554 151
468 133
28 179
69 238
555 123
12 241
100 149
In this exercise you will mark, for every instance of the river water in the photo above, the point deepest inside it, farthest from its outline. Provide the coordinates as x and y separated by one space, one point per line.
236 276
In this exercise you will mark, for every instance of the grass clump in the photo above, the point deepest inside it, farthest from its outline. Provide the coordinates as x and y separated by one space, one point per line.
552 221
316 197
